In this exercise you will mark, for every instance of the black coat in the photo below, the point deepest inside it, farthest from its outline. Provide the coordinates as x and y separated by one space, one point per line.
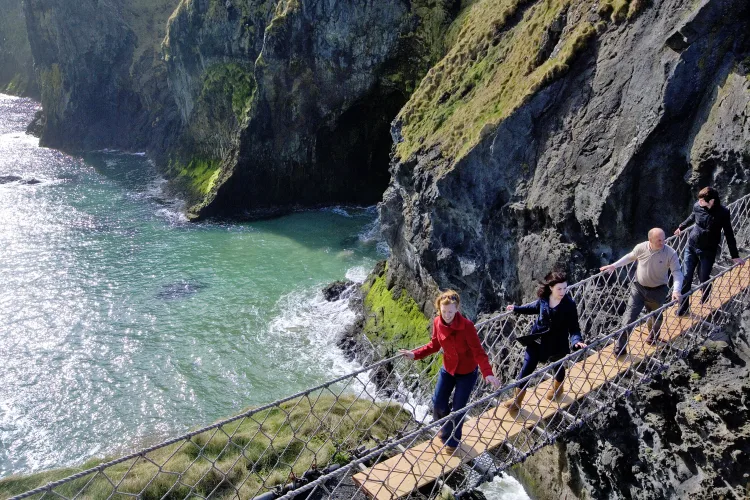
562 322
706 233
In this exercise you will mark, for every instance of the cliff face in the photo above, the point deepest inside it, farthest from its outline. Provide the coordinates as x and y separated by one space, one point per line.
103 83
251 105
685 435
16 63
327 80
621 111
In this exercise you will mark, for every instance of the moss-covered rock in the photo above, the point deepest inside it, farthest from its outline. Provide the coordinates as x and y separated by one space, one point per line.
196 177
394 320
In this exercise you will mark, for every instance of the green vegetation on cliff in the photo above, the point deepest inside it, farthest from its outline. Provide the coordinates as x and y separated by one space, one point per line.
501 54
395 320
51 81
262 446
232 82
197 177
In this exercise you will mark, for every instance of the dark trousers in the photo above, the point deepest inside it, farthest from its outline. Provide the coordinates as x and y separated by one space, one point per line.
640 297
536 353
692 259
450 433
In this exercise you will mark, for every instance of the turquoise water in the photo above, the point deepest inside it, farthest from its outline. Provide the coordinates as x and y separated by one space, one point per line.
123 324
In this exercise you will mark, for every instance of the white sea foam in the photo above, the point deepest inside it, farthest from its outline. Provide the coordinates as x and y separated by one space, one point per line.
504 487
310 320
357 274
371 234
172 209
337 210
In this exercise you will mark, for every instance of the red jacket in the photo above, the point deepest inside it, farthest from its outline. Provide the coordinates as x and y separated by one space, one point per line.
462 351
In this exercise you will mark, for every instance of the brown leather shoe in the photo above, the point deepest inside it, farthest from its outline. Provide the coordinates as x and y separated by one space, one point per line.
556 391
515 403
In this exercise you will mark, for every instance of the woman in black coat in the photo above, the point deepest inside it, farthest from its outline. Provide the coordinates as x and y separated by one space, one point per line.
553 332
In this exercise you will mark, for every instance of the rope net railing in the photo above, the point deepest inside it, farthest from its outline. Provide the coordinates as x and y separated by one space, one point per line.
313 441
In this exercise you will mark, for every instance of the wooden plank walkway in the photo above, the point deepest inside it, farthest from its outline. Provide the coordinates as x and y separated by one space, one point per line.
426 462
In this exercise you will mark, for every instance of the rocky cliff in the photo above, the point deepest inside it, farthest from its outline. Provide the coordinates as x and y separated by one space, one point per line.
16 64
250 105
684 435
557 133
326 80
103 81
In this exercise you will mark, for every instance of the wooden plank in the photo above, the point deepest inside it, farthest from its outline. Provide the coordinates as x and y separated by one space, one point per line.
426 462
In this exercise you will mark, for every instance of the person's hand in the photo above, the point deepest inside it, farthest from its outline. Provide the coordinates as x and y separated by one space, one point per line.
510 307
739 261
406 353
608 268
676 295
580 345
677 231
493 380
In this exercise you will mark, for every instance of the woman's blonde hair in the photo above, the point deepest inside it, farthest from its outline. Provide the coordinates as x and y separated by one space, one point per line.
447 297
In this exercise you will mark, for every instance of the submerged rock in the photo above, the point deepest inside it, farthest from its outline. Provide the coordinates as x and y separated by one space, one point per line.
179 290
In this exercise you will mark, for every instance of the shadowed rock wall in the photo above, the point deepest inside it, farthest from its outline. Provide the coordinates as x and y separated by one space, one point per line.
587 164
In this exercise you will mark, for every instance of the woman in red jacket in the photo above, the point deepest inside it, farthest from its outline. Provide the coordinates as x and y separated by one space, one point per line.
462 353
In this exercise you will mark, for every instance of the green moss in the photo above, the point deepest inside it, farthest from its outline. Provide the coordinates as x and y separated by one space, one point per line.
256 458
234 83
52 89
197 177
620 10
18 85
395 320
491 68
422 47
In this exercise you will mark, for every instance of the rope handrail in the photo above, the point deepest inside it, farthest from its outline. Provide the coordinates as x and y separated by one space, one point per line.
312 432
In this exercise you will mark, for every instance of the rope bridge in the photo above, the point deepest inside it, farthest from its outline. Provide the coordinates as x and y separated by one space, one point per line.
365 434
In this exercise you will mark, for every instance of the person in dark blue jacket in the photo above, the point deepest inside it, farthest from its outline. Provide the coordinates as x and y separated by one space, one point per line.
553 332
709 218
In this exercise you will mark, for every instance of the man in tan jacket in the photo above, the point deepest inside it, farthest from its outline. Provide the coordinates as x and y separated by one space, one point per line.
650 287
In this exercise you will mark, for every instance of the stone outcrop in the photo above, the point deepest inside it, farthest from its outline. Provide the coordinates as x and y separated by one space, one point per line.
16 64
684 435
575 169
102 78
328 79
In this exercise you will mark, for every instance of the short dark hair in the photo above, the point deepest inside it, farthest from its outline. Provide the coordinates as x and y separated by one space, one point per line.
708 193
549 281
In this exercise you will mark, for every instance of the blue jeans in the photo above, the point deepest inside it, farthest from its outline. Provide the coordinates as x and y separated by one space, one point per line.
450 433
703 260
535 354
